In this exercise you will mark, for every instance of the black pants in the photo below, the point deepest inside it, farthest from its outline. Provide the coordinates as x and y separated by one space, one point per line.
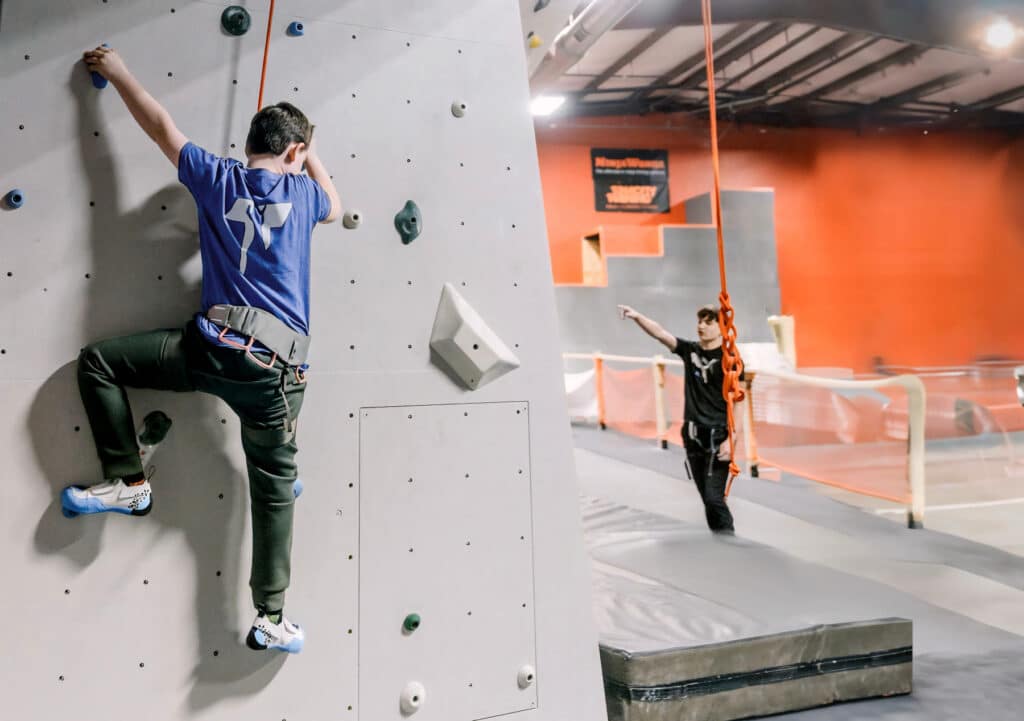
267 400
709 474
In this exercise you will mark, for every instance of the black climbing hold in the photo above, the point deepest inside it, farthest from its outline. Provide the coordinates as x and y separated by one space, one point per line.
409 222
14 199
541 4
235 20
154 428
296 29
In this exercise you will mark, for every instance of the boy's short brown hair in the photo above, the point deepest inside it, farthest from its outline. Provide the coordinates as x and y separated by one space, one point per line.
276 127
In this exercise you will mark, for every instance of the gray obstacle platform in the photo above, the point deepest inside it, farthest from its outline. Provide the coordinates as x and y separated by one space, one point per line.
422 496
670 288
703 628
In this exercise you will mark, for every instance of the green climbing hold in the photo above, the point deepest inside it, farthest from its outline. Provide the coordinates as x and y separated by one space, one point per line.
235 20
409 222
411 623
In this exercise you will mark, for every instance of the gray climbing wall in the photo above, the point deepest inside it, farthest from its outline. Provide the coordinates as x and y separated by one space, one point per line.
670 288
421 496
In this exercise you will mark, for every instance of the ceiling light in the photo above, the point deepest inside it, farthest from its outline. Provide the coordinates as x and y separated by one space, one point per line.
546 104
1000 34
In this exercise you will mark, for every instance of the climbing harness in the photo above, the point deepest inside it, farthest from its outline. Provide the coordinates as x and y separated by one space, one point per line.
259 325
732 390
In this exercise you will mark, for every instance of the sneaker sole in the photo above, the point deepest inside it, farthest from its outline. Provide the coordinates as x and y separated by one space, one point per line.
72 507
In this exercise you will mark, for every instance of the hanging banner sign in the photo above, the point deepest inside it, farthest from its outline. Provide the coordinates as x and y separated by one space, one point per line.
631 181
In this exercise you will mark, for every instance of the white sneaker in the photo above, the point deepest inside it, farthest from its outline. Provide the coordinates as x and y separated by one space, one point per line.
265 634
108 496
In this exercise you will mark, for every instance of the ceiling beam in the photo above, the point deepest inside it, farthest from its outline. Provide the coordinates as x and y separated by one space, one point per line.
809 62
927 88
723 60
1004 98
636 51
734 53
903 56
769 57
730 36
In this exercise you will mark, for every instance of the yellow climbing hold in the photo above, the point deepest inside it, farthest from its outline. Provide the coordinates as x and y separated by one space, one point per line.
535 41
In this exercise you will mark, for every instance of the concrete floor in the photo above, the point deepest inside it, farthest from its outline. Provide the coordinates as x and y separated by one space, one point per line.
965 569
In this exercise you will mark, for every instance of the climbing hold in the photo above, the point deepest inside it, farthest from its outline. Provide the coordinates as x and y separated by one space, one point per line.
352 219
298 487
534 40
458 108
526 676
235 20
14 199
409 222
541 4
296 29
411 622
154 429
98 81
466 344
412 698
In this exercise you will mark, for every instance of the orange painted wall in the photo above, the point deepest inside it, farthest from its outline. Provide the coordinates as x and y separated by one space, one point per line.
897 245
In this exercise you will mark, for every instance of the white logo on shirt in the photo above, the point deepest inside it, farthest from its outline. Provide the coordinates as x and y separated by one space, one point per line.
274 216
704 366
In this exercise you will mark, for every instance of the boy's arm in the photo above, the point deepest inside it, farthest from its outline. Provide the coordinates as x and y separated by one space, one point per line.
316 170
151 116
651 327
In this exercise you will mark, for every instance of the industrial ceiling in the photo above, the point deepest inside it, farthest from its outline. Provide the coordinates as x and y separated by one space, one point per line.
794 62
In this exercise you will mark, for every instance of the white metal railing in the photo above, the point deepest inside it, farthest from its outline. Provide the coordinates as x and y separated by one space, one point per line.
916 400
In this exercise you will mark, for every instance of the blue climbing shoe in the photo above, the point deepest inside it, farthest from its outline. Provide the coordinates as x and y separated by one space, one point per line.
265 635
111 496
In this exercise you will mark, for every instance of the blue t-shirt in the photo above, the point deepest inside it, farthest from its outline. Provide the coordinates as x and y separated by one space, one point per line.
254 236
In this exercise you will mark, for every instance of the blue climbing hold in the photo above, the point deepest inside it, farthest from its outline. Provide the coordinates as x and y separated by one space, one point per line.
14 199
98 81
299 487
296 29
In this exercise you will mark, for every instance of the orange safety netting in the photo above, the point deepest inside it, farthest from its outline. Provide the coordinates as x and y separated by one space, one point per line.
629 405
855 440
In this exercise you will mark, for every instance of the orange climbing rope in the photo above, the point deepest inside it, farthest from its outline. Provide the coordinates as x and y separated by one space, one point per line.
731 363
266 52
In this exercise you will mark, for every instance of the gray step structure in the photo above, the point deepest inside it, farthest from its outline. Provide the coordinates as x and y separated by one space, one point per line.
670 288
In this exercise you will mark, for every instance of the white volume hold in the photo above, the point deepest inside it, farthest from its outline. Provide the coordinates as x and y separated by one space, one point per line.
527 675
412 698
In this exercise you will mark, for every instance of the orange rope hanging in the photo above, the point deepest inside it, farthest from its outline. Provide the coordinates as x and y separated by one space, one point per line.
266 52
732 391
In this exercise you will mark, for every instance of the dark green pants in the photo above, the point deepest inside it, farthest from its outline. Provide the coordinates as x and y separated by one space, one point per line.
267 402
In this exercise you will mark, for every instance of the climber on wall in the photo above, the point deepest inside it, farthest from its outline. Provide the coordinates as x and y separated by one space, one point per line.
248 345
705 424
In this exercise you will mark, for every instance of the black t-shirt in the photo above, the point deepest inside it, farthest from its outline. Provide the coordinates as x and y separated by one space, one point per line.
704 378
